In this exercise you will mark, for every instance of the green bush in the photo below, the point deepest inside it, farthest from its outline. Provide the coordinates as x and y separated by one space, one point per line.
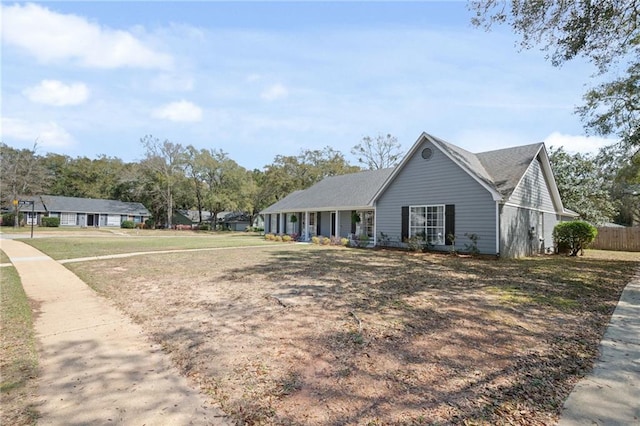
50 222
8 219
573 236
150 224
204 227
127 224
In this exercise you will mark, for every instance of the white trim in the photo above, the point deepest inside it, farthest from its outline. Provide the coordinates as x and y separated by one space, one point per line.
509 204
320 209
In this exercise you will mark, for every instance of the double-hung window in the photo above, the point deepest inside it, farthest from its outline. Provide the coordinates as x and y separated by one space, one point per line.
427 222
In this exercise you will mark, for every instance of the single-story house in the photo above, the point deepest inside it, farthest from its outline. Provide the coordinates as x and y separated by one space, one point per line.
82 212
506 200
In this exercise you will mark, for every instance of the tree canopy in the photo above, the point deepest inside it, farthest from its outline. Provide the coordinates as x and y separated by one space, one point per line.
605 32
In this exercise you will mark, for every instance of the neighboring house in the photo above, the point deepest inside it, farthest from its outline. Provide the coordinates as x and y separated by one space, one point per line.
84 211
234 221
507 198
191 217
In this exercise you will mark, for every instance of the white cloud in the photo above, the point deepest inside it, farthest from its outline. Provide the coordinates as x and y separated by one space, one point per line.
172 83
274 92
46 134
184 111
56 93
577 143
51 36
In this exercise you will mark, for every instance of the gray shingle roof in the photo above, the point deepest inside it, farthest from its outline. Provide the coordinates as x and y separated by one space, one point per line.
56 203
335 192
500 170
507 166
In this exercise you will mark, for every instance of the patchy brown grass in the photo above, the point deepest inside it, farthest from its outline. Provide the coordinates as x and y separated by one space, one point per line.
324 335
18 356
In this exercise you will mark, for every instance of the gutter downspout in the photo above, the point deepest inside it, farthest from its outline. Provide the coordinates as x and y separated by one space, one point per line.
497 228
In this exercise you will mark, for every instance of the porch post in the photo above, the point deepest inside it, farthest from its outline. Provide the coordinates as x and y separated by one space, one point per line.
306 225
375 234
338 224
283 222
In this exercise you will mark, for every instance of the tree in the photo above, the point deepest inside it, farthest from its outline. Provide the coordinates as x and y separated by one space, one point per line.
606 32
583 186
379 153
163 162
226 185
291 173
22 172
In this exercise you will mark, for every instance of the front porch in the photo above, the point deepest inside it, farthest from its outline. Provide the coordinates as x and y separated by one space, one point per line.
304 225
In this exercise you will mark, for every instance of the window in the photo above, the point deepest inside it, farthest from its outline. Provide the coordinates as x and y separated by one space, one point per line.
427 222
68 219
366 225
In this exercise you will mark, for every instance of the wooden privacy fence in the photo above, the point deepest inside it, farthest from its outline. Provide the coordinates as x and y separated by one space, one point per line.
620 239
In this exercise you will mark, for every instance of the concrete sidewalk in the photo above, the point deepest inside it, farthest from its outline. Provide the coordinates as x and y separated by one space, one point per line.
96 366
610 395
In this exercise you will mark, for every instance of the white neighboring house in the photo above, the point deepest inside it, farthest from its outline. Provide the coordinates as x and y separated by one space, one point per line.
83 212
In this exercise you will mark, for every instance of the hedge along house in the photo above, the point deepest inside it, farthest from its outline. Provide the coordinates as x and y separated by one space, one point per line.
507 199
82 212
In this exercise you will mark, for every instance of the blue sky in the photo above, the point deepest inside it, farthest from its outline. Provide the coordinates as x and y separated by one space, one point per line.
258 79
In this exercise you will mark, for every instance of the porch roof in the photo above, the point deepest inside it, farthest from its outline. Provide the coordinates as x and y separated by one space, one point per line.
334 193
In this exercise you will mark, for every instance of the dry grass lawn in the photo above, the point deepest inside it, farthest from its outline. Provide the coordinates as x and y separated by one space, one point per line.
299 334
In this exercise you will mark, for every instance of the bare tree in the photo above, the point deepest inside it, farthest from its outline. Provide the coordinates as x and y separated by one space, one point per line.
165 159
379 153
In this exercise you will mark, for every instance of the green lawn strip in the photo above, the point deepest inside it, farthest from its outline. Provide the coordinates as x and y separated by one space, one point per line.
75 247
4 258
18 356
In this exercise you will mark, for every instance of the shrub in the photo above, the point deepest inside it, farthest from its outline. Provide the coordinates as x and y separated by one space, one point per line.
315 240
294 236
278 238
150 223
204 227
8 219
344 241
269 237
415 243
575 236
325 241
287 238
127 224
472 247
50 222
363 240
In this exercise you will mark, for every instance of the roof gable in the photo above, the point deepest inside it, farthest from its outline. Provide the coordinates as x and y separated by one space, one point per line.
507 166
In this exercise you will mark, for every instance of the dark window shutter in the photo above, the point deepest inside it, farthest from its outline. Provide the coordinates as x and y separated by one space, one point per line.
449 222
278 223
318 228
353 222
405 222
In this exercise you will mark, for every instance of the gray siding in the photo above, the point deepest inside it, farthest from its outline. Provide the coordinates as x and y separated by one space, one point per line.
525 232
528 229
439 181
533 191
345 223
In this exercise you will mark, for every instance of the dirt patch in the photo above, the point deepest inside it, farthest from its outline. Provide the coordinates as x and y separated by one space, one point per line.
323 335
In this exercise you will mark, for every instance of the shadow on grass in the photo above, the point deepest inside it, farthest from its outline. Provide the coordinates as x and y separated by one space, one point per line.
473 333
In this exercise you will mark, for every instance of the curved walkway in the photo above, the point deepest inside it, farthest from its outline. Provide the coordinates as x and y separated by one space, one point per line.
610 394
96 366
